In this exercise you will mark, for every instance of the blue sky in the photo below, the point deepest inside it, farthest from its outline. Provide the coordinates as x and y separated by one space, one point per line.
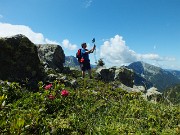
125 30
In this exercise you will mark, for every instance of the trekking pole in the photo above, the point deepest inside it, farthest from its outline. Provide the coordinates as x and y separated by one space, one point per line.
93 41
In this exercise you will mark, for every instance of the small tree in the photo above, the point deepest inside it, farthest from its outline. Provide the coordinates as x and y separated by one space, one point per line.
100 62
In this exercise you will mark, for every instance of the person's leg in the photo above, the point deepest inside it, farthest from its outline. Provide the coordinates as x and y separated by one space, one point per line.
89 72
83 74
83 69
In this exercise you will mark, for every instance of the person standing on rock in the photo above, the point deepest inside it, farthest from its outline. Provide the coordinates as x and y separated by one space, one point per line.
85 61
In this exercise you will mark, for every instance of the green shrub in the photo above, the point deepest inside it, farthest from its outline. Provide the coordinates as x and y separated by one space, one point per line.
94 107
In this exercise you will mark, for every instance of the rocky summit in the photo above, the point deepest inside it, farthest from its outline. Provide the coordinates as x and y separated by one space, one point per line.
22 60
52 56
19 59
122 74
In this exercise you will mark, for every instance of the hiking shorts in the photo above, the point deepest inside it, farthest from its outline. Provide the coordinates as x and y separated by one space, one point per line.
85 66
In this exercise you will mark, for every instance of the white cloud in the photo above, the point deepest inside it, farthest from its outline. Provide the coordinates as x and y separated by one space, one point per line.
115 52
51 42
66 44
148 57
7 29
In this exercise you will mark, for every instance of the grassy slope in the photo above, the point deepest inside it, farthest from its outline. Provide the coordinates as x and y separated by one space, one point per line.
173 94
94 107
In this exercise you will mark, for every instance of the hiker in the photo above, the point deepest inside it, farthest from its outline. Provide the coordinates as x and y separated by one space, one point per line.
85 61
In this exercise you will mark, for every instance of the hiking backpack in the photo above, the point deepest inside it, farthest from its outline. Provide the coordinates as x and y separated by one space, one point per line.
79 56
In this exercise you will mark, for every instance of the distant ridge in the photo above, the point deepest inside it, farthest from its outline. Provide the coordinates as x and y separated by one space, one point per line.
159 77
175 73
71 61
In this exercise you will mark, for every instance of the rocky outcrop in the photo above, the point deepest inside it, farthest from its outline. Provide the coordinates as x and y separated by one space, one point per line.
153 95
105 74
122 74
125 75
19 59
52 56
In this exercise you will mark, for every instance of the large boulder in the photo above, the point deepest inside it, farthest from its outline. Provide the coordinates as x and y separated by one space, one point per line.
122 74
52 56
19 59
105 74
125 75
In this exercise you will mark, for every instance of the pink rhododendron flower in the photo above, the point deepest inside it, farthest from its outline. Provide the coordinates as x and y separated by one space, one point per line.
64 93
47 87
51 97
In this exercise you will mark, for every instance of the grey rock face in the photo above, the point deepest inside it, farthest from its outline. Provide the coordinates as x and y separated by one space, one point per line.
122 74
153 94
105 74
125 75
19 59
52 56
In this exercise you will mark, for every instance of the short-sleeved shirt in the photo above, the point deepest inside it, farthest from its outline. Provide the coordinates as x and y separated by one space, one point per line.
86 64
84 54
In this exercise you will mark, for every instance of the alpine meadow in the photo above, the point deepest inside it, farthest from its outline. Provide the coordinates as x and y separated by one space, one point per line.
89 67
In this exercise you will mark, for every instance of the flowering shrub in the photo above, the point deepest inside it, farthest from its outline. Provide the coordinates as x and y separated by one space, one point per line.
94 108
64 93
47 87
51 97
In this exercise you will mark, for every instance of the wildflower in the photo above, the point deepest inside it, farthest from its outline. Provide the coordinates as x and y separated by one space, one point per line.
48 86
64 93
51 97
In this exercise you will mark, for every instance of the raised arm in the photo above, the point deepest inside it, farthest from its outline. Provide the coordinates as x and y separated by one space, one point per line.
92 50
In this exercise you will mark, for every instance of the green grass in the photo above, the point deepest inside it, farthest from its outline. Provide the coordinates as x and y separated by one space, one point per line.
94 107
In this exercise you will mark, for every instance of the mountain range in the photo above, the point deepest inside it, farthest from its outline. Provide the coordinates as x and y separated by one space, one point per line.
156 76
71 61
21 59
160 78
